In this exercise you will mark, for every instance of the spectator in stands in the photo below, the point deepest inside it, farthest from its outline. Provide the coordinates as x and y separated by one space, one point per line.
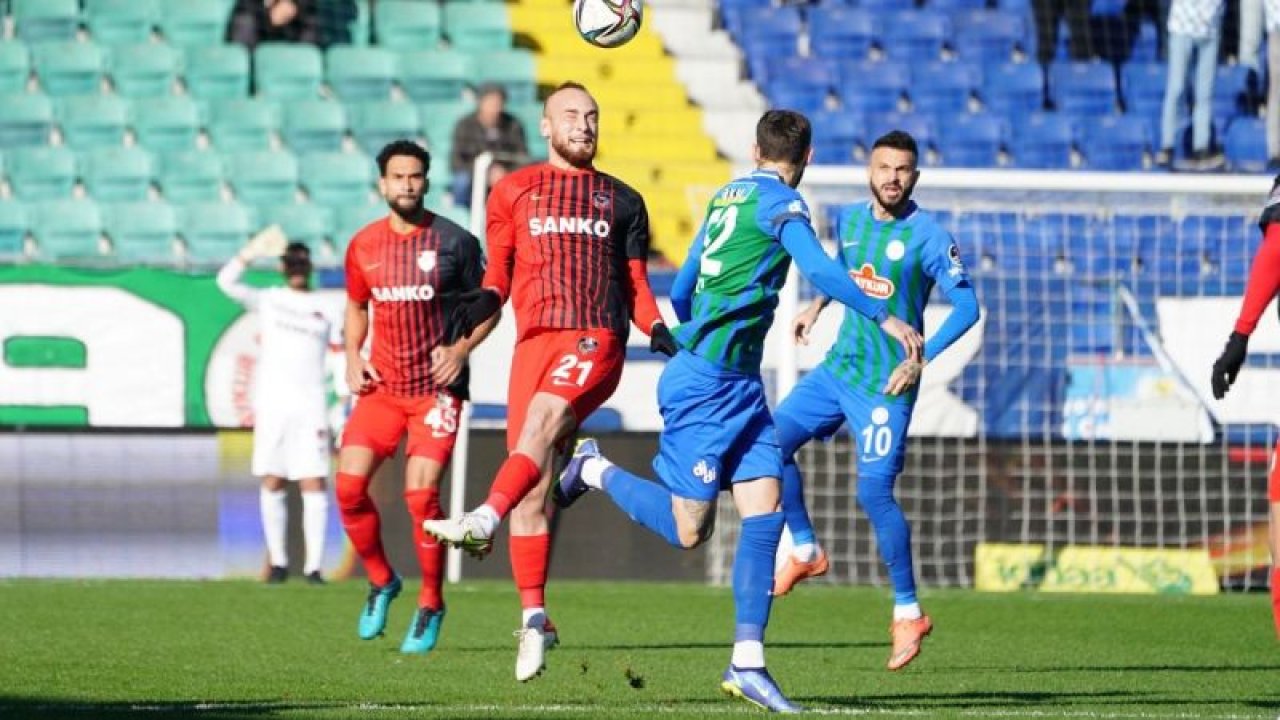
1048 14
1194 26
255 21
489 129
1273 84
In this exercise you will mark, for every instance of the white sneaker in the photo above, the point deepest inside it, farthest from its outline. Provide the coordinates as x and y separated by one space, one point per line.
531 652
467 531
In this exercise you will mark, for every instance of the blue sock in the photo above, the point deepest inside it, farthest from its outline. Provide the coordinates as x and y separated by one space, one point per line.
647 503
753 574
793 507
893 535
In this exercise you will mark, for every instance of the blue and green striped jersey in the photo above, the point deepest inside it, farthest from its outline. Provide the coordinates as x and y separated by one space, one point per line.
898 261
741 264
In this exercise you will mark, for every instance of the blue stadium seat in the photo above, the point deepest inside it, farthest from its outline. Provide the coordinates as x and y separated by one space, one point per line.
41 173
944 87
800 83
1013 88
1085 88
1246 144
989 37
921 127
147 70
972 140
213 232
1115 142
1233 88
732 11
872 86
842 33
1143 86
836 136
915 35
772 31
1043 141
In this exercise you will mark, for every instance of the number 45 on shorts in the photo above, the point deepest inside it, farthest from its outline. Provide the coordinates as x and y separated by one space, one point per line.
443 418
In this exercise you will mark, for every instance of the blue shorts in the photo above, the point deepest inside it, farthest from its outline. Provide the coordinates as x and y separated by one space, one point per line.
819 404
716 431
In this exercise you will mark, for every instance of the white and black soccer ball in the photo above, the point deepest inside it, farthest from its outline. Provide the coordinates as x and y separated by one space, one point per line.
608 23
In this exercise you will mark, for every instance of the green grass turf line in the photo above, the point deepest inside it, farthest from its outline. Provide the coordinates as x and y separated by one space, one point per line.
239 649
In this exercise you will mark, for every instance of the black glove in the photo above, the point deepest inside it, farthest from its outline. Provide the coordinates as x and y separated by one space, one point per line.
473 308
661 341
1227 366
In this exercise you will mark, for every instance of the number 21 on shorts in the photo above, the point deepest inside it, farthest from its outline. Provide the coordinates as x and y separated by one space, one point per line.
571 370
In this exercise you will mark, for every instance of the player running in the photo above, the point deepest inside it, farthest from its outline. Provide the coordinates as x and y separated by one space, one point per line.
896 252
290 418
1264 283
568 244
410 267
717 431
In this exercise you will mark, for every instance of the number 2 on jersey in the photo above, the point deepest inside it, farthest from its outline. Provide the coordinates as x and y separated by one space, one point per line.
720 225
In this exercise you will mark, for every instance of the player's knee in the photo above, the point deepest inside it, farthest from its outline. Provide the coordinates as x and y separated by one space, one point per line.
692 538
874 493
352 492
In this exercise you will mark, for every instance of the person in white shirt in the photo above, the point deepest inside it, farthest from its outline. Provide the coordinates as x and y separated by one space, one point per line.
291 427
1195 28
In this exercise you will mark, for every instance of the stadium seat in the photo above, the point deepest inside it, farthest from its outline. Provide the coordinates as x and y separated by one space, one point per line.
1233 90
944 87
217 72
800 83
1115 142
314 125
477 26
69 68
191 176
375 124
429 75
972 140
869 86
357 28
989 37
144 71
118 174
263 179
141 232
287 71
513 69
338 179
835 135
921 127
1043 141
1246 144
247 124
915 35
407 24
42 21
25 120
1143 86
120 22
1013 88
772 32
194 23
15 66
13 229
842 33
213 232
305 223
349 219
439 119
66 229
359 74
166 124
41 173
1083 88
93 121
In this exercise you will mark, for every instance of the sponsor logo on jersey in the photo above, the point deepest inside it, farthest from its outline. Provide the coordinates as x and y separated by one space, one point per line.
427 260
600 200
872 284
734 194
587 345
568 225
706 470
404 293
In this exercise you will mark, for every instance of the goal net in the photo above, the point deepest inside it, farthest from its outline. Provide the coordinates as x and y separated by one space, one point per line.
1078 411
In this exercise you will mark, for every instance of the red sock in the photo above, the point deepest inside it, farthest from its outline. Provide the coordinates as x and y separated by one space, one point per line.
517 476
529 557
364 527
424 504
1275 598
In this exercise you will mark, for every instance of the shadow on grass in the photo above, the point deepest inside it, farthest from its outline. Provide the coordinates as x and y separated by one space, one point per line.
1023 699
724 645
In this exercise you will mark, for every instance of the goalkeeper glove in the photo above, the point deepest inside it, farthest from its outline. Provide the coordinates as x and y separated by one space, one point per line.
661 340
474 307
270 242
1227 366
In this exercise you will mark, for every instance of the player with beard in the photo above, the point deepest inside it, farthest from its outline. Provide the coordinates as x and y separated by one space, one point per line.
897 252
411 267
568 244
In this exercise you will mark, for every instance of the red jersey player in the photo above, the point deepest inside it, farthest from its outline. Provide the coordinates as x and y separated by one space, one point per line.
1264 283
412 267
568 245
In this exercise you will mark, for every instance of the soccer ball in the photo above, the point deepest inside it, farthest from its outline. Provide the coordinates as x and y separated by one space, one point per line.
607 23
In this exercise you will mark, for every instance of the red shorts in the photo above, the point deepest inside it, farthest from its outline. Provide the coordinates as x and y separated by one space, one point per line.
1273 477
379 419
581 366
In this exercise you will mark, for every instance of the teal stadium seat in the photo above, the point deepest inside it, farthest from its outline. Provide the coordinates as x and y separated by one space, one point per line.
213 232
314 125
13 229
478 26
460 214
118 174
246 124
194 176
217 72
69 68
141 232
121 22
438 121
67 229
25 120
307 223
375 124
15 66
91 121
338 179
435 75
287 71
359 74
513 69
348 220
194 23
41 173
41 21
406 24
263 179
166 124
147 70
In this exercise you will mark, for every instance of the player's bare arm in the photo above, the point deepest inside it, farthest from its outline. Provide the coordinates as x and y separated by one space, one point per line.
362 376
804 322
447 361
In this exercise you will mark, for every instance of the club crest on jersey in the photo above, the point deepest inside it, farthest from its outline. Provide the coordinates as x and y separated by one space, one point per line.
427 260
872 284
600 200
707 470
587 345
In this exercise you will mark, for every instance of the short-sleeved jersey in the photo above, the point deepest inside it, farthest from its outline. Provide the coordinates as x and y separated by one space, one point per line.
741 269
899 262
569 234
412 282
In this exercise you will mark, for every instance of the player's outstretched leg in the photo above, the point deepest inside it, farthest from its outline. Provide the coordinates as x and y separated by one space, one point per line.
910 625
471 531
807 559
572 485
373 618
424 631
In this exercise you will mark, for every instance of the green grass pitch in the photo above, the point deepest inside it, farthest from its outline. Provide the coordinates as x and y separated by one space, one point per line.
238 649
